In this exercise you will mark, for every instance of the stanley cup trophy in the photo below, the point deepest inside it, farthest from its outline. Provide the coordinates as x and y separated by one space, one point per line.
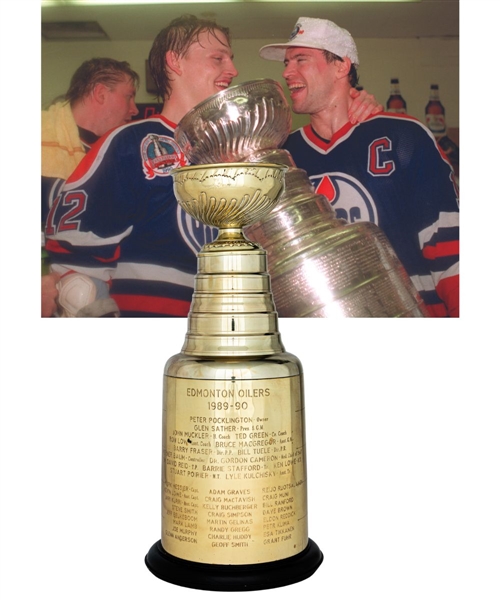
234 478
320 266
234 497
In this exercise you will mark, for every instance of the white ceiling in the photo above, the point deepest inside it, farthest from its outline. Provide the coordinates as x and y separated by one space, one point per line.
257 20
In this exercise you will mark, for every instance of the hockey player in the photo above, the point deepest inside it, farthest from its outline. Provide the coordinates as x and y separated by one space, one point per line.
387 169
101 96
117 220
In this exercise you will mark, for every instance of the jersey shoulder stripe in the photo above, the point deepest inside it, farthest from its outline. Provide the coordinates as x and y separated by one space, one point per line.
94 158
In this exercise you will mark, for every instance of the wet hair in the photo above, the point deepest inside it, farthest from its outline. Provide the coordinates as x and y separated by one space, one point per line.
107 71
178 36
353 73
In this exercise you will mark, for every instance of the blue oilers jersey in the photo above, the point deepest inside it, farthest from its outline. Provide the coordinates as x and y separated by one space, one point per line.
117 219
390 171
52 184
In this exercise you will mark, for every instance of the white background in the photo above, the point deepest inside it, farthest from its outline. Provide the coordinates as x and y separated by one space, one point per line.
402 416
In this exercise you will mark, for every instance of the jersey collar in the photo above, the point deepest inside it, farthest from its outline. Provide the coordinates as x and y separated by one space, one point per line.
320 142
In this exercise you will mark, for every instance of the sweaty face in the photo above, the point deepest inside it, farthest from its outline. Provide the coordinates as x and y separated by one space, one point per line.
119 105
310 79
207 67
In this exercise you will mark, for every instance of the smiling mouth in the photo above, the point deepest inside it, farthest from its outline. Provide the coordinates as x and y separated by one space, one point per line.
222 84
294 88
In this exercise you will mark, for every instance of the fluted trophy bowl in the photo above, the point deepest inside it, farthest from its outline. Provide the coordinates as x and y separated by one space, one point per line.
229 197
234 123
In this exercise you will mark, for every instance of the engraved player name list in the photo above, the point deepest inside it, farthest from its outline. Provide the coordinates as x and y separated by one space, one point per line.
234 476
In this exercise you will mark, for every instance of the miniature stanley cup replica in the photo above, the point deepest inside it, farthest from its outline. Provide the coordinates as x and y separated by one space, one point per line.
234 495
319 265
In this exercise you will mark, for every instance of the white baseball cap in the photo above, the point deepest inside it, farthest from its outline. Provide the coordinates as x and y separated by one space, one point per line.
315 33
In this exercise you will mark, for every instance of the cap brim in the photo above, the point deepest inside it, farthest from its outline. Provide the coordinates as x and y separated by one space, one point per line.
273 51
278 51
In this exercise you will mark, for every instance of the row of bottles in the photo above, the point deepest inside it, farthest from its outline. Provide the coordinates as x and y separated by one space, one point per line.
434 111
434 118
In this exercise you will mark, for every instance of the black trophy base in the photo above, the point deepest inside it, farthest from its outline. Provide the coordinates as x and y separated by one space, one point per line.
233 578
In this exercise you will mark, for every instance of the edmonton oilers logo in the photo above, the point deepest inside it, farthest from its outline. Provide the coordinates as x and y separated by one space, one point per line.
350 200
160 154
195 233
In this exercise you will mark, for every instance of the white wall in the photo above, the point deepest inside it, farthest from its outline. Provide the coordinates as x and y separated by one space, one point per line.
417 63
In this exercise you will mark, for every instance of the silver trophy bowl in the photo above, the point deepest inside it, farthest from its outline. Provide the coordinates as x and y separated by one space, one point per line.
237 122
320 266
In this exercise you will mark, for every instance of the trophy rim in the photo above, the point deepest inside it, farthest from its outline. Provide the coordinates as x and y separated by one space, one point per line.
235 165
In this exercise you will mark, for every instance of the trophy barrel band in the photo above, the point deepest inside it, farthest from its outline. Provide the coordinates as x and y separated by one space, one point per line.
233 578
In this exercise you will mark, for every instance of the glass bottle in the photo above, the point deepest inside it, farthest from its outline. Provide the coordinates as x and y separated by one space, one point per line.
396 103
434 113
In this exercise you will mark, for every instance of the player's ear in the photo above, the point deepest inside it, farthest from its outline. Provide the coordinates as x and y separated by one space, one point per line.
99 92
343 67
173 62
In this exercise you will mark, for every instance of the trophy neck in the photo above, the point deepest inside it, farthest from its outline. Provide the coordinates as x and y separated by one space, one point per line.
229 239
232 311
